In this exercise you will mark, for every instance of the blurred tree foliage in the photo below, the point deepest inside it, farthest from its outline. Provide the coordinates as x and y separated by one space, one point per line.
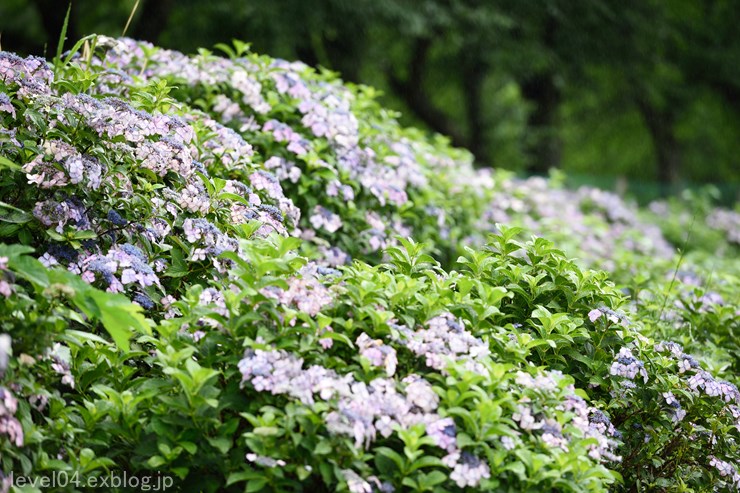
645 89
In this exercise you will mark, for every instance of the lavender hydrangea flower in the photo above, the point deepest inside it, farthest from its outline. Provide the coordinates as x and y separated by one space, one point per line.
335 189
144 301
115 218
468 470
194 198
379 354
263 461
9 424
6 350
324 218
444 433
6 105
594 314
202 232
626 365
69 211
305 292
443 341
361 410
262 180
546 382
60 364
726 470
420 393
355 483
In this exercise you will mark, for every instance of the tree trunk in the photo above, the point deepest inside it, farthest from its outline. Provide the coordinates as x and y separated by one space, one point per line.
411 90
660 124
474 73
545 150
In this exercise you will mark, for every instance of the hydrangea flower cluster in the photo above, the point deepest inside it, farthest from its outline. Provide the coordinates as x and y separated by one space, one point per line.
540 208
626 365
699 379
589 421
122 266
703 380
443 341
283 169
379 354
305 292
32 75
467 469
211 242
70 211
9 424
677 413
6 286
66 166
726 470
324 218
356 484
325 109
226 147
283 133
263 180
361 410
210 298
609 314
6 104
726 221
154 146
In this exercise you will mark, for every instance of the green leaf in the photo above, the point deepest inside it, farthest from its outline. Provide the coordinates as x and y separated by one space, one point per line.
156 461
323 448
120 317
77 336
7 163
222 444
255 485
13 215
411 483
267 431
391 455
426 461
29 269
178 266
54 235
190 447
63 35
84 235
237 477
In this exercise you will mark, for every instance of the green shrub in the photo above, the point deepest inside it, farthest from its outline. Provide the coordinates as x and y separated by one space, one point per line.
302 295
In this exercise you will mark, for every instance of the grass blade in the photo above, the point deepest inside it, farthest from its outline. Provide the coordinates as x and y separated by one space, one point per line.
131 16
63 35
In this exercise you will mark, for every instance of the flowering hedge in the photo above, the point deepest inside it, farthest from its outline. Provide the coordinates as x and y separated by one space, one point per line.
242 274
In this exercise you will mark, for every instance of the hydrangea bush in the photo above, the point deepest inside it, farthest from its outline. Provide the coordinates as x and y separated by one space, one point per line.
245 275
